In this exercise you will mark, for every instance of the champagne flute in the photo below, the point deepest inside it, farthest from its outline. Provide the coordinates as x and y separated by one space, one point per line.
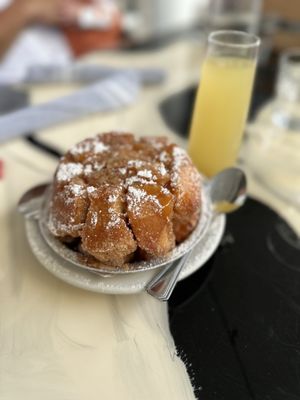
223 99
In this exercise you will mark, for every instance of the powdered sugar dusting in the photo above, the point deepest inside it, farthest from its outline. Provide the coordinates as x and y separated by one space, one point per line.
138 197
165 191
99 147
94 218
155 200
77 190
137 179
73 191
146 173
179 155
90 145
156 143
123 171
180 159
136 163
90 168
164 156
137 194
162 169
112 198
58 228
91 189
114 220
67 171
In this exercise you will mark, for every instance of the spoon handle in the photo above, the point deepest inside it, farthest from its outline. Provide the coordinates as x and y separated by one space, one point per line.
162 285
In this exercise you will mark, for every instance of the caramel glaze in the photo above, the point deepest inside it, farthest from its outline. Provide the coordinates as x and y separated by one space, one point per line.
125 198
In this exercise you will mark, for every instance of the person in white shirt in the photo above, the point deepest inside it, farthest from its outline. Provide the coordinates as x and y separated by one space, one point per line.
30 33
19 14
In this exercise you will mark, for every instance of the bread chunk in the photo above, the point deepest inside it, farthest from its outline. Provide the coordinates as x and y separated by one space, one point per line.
124 198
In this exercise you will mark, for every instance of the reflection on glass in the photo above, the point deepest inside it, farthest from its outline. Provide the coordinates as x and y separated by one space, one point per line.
241 15
272 150
286 110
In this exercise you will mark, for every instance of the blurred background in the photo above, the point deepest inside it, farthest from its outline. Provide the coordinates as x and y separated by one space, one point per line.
56 41
81 26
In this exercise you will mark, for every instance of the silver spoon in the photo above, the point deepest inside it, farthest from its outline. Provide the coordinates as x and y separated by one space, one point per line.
228 192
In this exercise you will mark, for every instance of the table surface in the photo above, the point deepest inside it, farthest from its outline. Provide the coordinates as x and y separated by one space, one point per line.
62 342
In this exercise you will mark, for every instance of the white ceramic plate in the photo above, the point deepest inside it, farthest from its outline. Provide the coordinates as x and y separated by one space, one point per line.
118 284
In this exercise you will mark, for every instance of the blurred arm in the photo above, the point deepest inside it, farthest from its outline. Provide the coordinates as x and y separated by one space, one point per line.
12 20
25 12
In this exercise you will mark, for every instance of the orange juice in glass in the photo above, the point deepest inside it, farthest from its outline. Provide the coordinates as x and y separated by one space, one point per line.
223 99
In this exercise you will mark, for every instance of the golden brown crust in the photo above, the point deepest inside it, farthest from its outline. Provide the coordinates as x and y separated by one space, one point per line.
69 208
185 184
105 234
125 197
150 213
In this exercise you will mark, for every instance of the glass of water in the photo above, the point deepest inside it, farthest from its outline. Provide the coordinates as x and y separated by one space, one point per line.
242 15
286 110
272 150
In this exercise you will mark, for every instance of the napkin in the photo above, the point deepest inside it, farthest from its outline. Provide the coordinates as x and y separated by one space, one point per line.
60 342
86 73
118 90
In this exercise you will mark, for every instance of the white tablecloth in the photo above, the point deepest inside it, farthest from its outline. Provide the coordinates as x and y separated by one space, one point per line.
62 343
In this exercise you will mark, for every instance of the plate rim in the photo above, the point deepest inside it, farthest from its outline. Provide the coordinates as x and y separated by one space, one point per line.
116 284
68 255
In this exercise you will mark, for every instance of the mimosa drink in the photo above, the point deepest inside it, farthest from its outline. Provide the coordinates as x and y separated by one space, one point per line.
220 112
